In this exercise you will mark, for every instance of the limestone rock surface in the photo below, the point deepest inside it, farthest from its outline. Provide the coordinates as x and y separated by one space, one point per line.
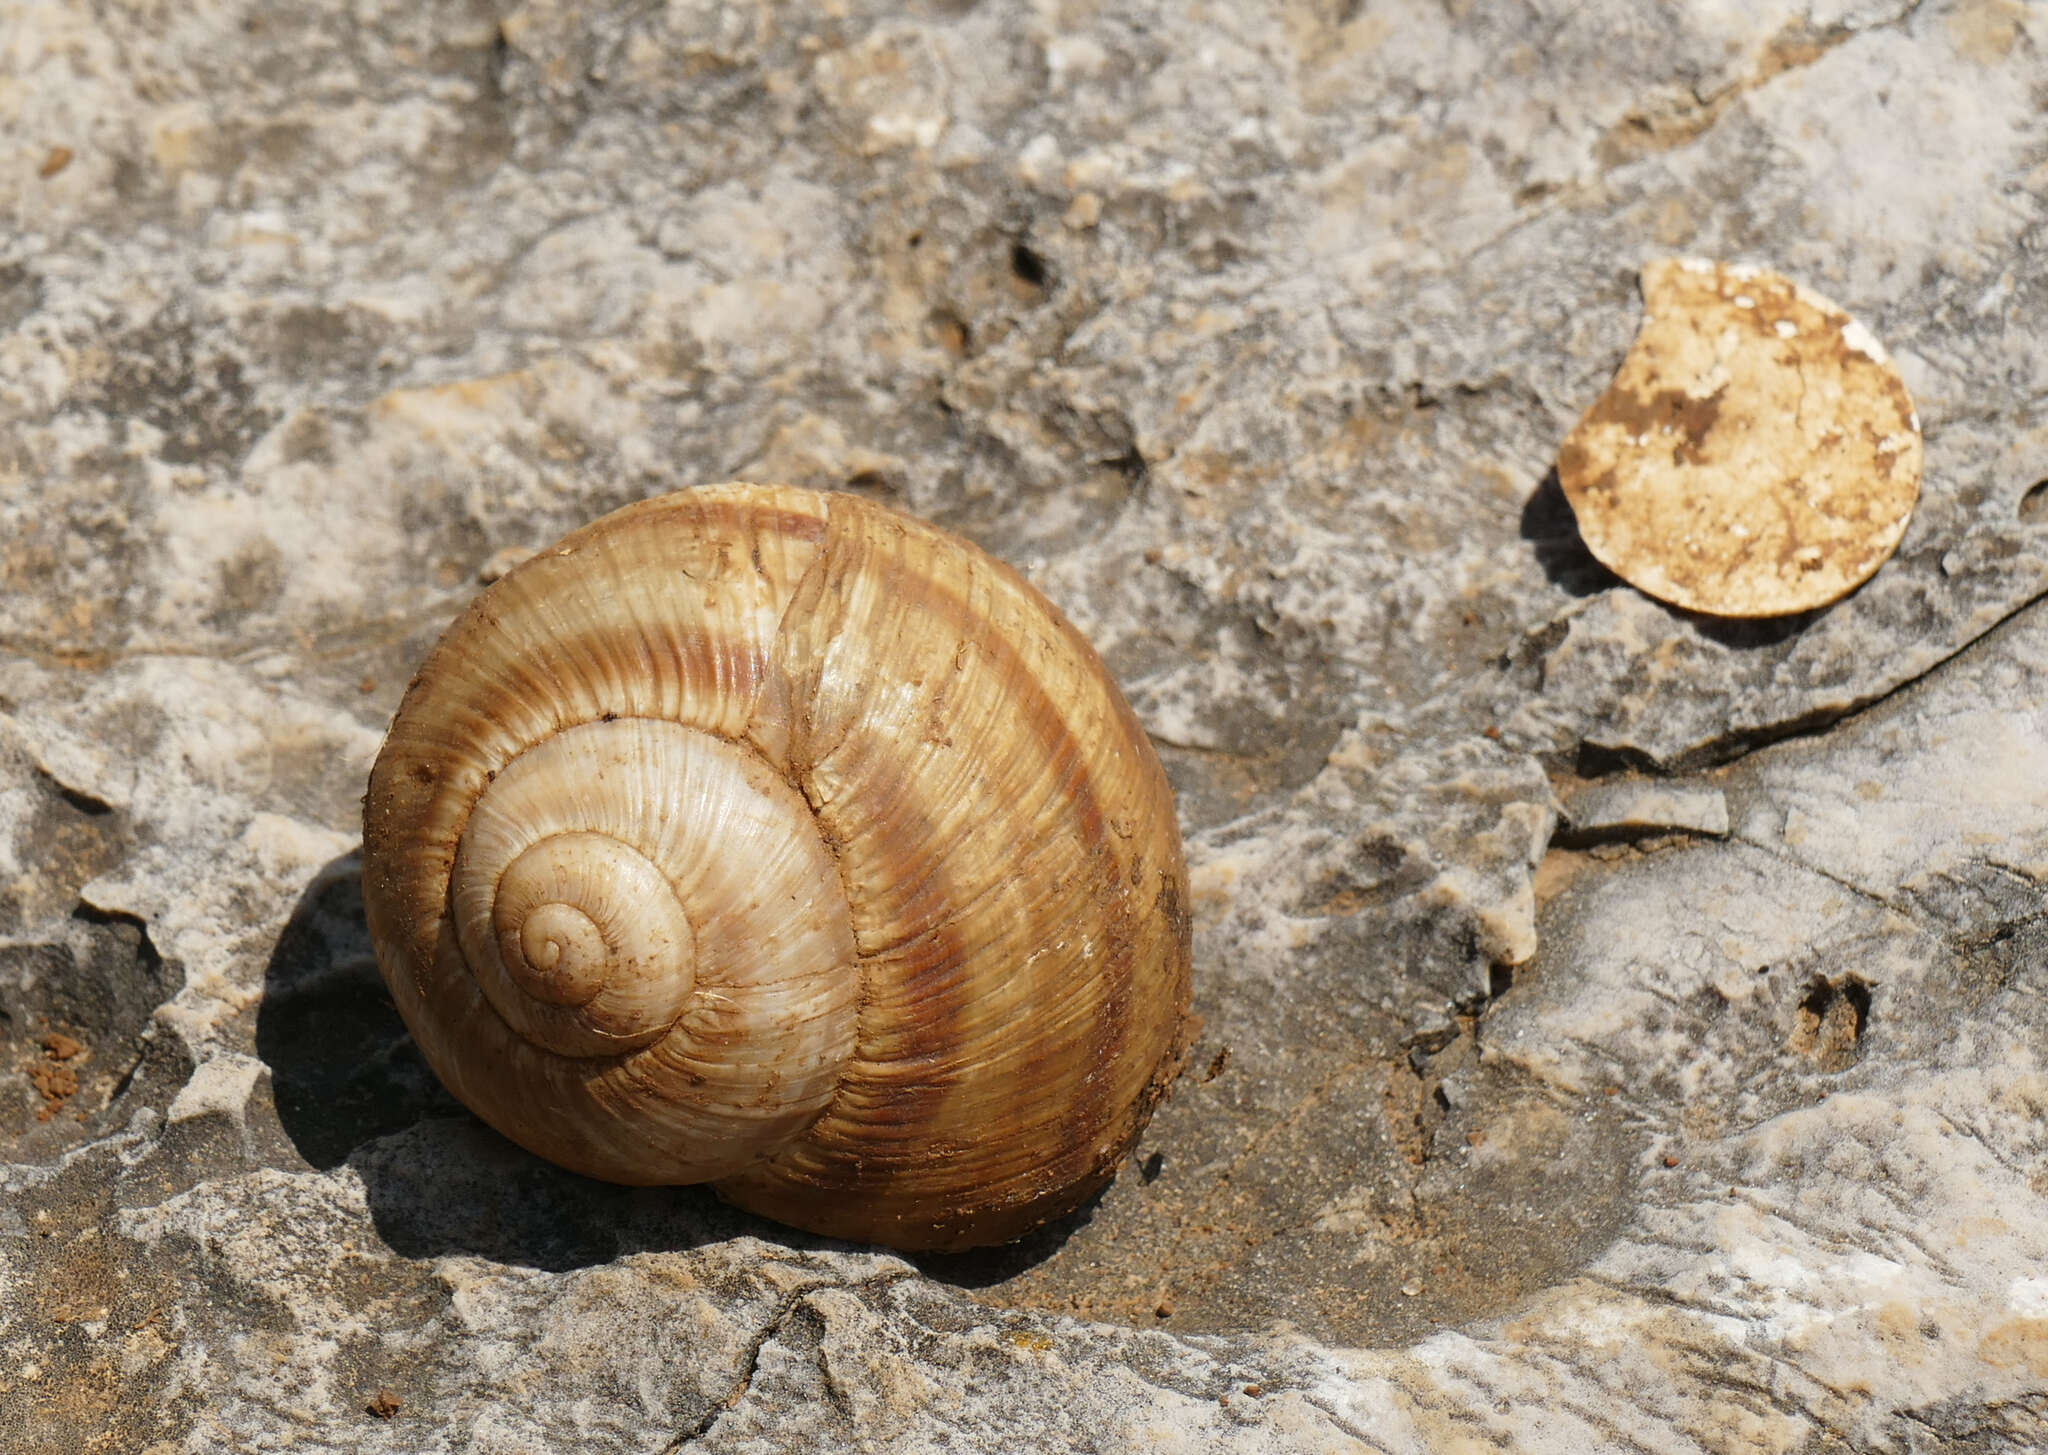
1623 1029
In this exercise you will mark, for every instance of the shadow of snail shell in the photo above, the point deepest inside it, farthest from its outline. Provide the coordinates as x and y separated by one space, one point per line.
780 841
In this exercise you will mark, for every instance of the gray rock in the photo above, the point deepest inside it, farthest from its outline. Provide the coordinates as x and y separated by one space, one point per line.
1249 333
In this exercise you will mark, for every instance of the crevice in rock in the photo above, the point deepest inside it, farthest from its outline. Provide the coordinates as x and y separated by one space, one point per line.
1646 836
1356 1432
1471 1008
1982 1424
1591 760
77 798
748 1370
796 1305
1868 896
1933 929
1594 759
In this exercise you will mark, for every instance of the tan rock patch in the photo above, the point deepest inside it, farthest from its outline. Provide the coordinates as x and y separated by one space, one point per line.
1757 453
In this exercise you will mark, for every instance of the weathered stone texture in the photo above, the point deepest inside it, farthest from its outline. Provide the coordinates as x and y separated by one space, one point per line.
1585 1068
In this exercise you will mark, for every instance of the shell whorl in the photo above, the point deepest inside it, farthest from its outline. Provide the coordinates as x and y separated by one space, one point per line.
593 864
774 839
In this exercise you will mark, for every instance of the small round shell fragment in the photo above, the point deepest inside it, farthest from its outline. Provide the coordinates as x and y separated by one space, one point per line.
1757 453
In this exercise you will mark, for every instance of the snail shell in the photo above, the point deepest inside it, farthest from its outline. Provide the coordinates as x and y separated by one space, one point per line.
780 841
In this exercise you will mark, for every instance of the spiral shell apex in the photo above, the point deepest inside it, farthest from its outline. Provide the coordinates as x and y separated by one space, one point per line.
781 841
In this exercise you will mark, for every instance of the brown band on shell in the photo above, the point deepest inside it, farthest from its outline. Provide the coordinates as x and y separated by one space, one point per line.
946 1106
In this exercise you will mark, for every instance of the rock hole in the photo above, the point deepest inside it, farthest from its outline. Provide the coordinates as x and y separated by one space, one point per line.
2034 504
1828 1025
951 333
1028 268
